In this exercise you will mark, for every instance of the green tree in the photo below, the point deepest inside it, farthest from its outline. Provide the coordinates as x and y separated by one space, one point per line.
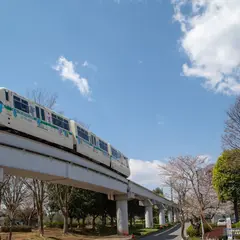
134 209
226 178
111 211
158 191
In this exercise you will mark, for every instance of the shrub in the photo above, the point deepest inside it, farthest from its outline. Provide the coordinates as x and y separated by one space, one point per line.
207 228
213 225
236 225
17 229
136 233
74 225
223 238
192 232
54 224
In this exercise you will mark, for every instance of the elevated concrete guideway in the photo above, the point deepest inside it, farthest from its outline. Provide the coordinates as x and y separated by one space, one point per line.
28 158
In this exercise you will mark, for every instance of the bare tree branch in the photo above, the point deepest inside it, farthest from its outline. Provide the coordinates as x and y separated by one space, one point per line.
231 138
37 186
14 194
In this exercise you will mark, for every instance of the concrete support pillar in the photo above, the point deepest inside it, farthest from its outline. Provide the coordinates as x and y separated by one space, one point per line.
122 215
175 218
149 216
170 217
1 175
161 216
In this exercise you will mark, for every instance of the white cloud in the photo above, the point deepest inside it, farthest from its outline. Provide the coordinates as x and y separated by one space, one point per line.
85 64
89 65
146 173
211 40
67 71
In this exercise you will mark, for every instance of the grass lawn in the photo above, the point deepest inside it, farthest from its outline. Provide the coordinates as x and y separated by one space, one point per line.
138 230
56 234
145 231
83 233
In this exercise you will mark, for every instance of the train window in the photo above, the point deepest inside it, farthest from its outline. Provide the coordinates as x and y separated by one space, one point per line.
55 120
37 112
93 140
6 96
60 122
103 145
25 106
114 153
126 161
17 102
21 104
83 133
66 125
43 114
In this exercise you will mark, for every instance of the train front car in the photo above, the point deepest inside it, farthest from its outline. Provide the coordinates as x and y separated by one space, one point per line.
33 120
119 162
5 107
89 145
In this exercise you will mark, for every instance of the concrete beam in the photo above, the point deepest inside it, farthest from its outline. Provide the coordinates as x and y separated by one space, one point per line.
146 193
146 202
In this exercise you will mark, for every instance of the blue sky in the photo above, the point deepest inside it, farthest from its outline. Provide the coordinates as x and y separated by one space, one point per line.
130 55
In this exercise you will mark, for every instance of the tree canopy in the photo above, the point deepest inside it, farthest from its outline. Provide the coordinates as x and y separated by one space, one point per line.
226 177
158 191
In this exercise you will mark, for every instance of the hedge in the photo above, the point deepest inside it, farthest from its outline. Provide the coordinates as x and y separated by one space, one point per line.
192 232
236 225
16 229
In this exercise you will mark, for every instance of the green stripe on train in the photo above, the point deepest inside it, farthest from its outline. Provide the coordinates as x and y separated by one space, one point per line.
92 145
34 118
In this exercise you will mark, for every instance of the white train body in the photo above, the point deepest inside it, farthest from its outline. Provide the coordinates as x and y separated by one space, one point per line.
89 144
20 114
118 161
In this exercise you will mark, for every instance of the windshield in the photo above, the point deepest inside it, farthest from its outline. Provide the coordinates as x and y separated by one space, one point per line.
221 220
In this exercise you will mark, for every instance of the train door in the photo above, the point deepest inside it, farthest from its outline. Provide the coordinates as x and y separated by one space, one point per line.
40 113
5 107
8 100
93 140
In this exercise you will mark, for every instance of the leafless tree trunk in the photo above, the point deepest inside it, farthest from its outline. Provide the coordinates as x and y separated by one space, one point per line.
38 187
231 138
180 186
14 193
201 197
63 195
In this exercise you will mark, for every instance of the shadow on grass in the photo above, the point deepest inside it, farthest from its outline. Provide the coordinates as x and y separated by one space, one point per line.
54 238
103 231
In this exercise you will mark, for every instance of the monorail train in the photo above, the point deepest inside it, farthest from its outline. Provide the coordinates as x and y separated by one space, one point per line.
26 117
